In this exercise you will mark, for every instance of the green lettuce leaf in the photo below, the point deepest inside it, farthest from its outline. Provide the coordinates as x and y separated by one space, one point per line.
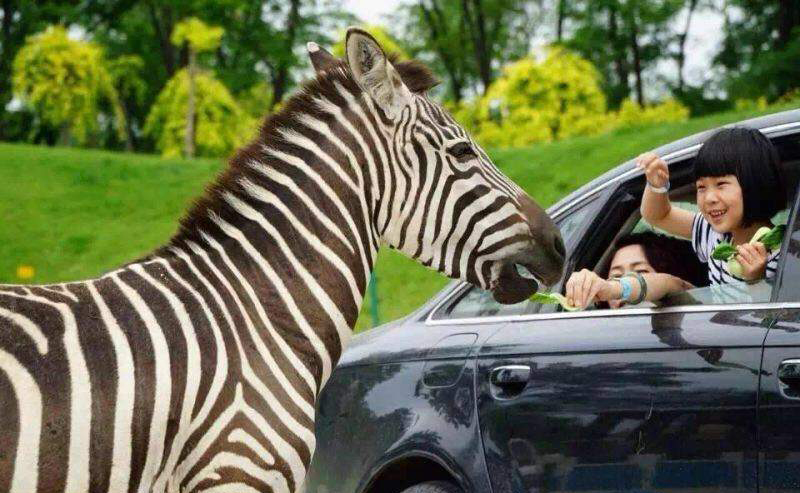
553 299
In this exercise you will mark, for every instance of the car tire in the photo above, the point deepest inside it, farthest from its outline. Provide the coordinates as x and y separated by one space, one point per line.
434 487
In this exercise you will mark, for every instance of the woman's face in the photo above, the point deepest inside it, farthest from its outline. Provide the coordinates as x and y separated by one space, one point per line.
629 258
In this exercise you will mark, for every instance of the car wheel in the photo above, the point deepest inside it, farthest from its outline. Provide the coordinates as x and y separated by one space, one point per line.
434 487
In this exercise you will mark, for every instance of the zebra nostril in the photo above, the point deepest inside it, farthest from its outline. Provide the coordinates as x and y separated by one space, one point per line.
558 245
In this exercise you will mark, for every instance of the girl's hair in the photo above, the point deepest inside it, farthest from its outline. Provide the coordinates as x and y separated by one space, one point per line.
751 157
667 255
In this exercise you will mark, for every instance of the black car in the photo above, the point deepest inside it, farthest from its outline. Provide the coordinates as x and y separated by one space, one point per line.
467 395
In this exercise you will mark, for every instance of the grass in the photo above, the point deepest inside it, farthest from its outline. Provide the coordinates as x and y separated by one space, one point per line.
73 214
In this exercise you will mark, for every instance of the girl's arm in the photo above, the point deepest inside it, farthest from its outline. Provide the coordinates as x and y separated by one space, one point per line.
656 207
585 287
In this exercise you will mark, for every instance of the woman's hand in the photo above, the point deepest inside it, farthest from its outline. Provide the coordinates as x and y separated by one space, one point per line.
655 169
753 259
585 287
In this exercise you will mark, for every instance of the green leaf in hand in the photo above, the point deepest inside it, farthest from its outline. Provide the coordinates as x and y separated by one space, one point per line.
553 299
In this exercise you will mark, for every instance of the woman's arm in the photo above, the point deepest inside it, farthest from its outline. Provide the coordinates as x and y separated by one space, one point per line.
656 207
585 287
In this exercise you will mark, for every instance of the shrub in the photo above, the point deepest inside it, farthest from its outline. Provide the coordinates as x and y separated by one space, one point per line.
631 114
222 125
65 81
538 101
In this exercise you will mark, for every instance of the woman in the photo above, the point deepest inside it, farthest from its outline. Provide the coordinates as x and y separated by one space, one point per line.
645 266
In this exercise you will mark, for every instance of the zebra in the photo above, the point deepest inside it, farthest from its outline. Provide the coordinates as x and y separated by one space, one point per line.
197 367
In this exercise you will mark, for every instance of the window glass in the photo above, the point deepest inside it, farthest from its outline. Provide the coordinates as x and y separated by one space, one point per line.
476 302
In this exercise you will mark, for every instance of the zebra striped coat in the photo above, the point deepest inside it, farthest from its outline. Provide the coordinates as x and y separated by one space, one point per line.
197 368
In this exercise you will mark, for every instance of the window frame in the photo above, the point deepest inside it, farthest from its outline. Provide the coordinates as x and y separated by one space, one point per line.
627 177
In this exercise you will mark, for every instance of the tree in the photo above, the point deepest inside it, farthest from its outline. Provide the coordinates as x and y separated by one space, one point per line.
469 39
222 125
18 20
65 81
536 101
198 37
634 34
761 48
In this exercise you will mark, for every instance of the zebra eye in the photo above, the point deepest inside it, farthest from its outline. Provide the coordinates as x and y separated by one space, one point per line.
462 151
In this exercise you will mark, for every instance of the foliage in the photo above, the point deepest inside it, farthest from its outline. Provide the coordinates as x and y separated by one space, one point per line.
539 101
623 39
389 44
257 99
761 48
221 126
631 114
465 40
65 81
197 34
751 104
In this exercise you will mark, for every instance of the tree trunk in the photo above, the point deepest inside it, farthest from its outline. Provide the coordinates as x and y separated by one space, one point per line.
681 59
163 33
280 79
619 50
434 19
477 26
560 20
637 62
788 18
5 59
189 136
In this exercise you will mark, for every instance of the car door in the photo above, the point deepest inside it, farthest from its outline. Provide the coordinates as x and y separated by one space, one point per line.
641 399
779 400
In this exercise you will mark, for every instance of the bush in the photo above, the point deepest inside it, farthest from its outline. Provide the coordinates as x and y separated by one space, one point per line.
64 82
222 125
631 114
538 101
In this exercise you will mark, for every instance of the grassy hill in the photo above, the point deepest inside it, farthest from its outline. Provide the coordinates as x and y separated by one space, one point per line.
72 213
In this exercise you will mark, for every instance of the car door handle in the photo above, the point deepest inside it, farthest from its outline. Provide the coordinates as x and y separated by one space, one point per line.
509 381
789 378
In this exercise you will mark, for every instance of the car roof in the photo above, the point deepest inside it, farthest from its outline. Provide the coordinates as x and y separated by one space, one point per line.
771 120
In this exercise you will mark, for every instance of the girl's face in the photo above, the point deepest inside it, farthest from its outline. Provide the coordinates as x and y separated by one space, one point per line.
720 201
629 258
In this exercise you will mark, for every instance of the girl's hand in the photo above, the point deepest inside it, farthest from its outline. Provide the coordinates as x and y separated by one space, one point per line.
753 259
655 169
585 286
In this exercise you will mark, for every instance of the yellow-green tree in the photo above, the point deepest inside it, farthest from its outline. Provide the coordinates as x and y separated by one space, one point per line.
221 126
541 100
198 37
65 81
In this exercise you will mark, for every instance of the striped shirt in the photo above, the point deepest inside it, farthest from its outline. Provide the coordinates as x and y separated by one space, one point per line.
705 239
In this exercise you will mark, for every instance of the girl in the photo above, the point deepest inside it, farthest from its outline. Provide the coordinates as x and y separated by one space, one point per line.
739 188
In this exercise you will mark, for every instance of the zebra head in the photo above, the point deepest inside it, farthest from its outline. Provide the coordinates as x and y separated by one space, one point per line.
439 197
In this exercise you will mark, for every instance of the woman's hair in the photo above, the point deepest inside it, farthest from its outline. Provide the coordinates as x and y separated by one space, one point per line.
748 154
667 255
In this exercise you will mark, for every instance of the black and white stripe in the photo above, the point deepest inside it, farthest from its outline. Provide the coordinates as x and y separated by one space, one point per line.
197 368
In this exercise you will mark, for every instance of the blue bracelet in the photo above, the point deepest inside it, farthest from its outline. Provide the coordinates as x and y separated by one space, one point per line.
626 288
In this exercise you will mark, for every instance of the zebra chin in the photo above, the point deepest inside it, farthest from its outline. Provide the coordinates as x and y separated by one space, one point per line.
514 283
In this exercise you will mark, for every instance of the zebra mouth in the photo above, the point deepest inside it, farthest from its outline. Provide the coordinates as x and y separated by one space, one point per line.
515 283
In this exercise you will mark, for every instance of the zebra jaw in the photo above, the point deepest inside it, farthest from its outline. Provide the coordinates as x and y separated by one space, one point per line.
514 283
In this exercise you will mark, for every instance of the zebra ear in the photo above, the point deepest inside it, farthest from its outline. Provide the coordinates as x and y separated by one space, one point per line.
321 58
374 73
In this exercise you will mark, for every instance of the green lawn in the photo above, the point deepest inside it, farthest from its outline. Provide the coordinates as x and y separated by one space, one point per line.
73 214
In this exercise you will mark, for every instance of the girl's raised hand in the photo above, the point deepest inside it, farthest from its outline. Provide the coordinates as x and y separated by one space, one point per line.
753 259
655 169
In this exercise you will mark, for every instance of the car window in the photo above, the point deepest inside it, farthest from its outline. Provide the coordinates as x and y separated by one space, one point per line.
475 302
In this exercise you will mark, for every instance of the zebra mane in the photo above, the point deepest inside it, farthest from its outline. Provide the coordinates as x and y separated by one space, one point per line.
327 84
